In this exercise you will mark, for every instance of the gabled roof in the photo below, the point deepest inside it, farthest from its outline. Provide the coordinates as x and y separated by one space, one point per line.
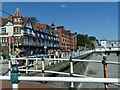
59 27
43 27
3 21
10 18
36 25
52 24
103 39
25 19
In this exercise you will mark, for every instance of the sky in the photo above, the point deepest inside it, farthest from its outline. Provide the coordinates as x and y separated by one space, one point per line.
99 19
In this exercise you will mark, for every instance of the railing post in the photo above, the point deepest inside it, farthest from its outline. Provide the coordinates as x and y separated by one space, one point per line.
50 62
26 65
36 64
105 70
14 77
43 67
71 71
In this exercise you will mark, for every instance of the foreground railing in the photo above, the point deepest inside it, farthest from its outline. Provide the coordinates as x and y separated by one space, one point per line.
15 78
63 79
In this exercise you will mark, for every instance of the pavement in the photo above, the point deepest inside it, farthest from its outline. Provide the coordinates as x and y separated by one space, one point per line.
5 61
3 68
6 85
96 70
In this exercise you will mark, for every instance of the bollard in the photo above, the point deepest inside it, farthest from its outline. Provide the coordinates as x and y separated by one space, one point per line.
1 58
58 61
50 63
43 66
55 62
36 64
26 66
71 71
14 77
118 53
105 70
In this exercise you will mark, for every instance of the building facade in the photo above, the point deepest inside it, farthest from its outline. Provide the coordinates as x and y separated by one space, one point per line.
18 33
67 40
109 44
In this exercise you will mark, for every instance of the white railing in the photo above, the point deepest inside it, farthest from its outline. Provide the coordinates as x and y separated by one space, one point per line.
64 79
71 79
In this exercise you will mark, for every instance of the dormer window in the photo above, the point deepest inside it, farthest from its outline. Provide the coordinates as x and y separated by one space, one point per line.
15 19
18 19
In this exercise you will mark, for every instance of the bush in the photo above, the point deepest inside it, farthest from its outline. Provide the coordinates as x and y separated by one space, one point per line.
5 56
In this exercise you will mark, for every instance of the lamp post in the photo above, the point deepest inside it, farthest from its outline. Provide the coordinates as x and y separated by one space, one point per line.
45 47
9 46
12 45
2 54
73 46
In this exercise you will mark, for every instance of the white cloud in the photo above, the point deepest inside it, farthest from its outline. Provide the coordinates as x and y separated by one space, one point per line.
63 6
106 22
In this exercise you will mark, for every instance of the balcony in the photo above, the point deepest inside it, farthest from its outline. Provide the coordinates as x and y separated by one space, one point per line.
4 44
31 43
17 33
3 33
25 43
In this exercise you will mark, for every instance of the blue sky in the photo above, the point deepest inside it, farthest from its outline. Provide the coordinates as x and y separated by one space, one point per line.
99 19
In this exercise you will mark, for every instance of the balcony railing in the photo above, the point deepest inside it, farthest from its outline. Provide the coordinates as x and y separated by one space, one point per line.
3 33
26 43
17 33
4 44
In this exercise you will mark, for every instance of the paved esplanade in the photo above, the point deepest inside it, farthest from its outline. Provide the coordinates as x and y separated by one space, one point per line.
3 67
96 70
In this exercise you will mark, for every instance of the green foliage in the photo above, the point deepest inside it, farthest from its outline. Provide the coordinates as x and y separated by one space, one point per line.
5 56
36 51
85 41
27 48
92 38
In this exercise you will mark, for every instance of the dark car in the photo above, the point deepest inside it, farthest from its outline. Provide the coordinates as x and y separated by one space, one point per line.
24 54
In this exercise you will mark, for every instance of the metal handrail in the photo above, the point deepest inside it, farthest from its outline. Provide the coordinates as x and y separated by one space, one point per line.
64 79
61 59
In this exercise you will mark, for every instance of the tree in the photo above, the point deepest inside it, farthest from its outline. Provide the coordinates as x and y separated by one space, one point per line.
85 41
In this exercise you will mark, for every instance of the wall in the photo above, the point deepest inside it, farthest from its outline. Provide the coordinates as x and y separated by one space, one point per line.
79 68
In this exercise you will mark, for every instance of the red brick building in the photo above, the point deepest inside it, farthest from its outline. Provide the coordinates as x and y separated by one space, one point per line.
67 40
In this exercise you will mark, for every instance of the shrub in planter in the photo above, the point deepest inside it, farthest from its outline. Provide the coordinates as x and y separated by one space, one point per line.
5 56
